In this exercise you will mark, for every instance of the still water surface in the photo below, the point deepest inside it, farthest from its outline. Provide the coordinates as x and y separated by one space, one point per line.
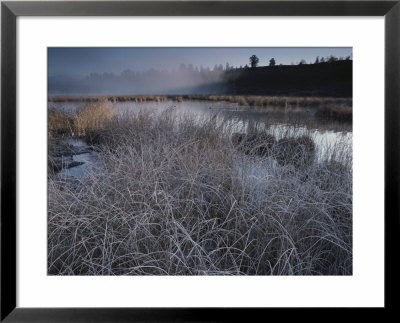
325 133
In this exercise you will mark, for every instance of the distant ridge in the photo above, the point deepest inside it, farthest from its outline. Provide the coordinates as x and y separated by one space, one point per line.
324 79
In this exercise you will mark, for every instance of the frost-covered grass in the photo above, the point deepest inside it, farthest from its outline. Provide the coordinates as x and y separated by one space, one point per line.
177 196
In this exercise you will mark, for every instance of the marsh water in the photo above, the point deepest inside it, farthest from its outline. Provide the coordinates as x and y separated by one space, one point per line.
89 160
325 133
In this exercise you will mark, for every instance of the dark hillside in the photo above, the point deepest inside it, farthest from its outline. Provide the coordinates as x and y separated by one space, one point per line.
324 79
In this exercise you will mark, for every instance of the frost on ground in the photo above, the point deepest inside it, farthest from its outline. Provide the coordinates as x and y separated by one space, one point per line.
176 196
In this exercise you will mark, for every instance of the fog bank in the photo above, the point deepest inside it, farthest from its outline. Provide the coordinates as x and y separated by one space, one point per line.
185 80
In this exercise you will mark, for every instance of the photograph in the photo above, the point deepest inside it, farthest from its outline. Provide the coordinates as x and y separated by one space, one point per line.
189 161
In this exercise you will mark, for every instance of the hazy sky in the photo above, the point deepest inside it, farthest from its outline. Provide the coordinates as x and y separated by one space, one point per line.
82 61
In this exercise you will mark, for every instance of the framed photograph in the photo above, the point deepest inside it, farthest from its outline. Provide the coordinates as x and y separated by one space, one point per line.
182 160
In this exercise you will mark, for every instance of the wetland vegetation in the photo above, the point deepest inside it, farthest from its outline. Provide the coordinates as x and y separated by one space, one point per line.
225 182
179 194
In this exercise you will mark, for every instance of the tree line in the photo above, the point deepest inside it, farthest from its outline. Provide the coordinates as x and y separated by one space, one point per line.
254 60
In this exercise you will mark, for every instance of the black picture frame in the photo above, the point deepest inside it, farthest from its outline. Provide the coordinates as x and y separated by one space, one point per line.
10 10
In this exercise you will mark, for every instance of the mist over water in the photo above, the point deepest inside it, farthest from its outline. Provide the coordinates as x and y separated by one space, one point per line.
185 80
163 169
84 71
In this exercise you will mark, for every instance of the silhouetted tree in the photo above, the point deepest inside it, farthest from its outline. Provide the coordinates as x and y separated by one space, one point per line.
272 62
254 61
302 62
317 60
332 59
322 60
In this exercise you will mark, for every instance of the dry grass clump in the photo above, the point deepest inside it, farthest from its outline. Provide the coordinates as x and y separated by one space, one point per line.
60 123
93 116
260 144
296 151
178 98
299 152
174 196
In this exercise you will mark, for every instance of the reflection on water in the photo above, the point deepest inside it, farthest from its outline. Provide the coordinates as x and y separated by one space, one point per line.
90 161
325 133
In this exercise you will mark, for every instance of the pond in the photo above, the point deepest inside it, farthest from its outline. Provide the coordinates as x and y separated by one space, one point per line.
325 133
